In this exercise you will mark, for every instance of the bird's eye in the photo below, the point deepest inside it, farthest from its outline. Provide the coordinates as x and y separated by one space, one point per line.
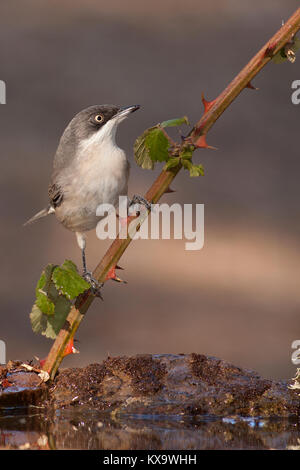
99 118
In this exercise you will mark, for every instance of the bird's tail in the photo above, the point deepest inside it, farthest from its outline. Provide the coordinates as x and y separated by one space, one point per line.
39 215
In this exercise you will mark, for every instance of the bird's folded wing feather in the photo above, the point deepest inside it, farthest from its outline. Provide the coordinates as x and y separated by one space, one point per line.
55 195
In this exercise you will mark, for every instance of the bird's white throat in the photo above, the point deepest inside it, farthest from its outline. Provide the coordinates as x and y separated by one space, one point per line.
102 167
106 136
101 149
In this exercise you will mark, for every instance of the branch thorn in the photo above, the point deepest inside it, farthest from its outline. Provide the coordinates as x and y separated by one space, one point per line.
112 275
270 49
201 143
169 190
252 87
207 104
70 348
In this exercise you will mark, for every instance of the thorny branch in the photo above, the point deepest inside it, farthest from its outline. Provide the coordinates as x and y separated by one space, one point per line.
197 137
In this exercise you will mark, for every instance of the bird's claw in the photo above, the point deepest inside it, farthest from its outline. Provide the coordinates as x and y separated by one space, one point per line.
140 200
95 285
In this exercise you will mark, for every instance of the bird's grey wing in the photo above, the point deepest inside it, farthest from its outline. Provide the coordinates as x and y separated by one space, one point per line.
66 151
55 195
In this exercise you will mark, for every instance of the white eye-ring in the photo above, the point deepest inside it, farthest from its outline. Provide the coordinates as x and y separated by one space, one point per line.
99 118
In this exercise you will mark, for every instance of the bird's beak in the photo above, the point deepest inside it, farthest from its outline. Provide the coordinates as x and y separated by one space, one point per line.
125 110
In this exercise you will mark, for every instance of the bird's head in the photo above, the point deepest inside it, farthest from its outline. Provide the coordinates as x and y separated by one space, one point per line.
102 120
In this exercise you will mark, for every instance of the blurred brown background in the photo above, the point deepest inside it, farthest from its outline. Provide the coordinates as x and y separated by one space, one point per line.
239 297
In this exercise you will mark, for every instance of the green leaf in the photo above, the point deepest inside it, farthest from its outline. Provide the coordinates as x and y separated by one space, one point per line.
196 170
50 325
153 144
187 153
69 265
55 288
42 289
141 153
157 144
281 55
38 320
56 322
296 45
175 122
62 308
186 164
67 280
172 162
44 303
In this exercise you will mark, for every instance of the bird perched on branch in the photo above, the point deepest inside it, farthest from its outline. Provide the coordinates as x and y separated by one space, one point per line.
89 169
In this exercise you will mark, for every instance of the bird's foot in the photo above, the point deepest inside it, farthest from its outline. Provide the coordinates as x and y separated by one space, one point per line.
139 200
95 285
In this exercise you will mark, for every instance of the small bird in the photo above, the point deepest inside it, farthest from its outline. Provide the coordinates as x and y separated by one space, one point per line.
89 169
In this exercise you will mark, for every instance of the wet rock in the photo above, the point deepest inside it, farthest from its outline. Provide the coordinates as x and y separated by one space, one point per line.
166 384
148 402
19 388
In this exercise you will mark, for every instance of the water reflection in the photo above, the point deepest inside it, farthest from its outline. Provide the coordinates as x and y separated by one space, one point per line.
87 429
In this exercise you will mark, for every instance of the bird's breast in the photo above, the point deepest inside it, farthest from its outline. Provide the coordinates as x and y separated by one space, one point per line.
99 177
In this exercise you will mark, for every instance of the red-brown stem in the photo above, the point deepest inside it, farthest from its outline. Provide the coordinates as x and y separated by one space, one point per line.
277 42
162 183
